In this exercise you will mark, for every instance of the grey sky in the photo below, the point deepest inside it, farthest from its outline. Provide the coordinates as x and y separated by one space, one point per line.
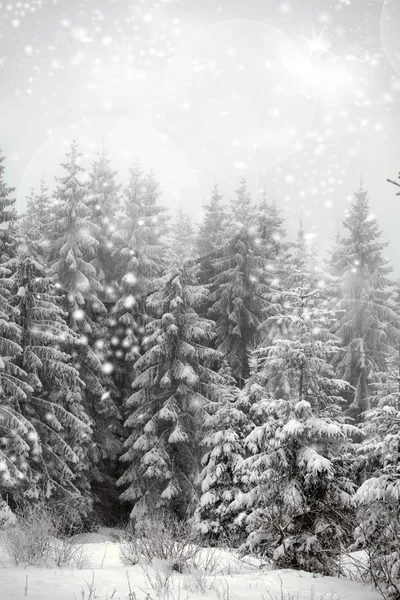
300 97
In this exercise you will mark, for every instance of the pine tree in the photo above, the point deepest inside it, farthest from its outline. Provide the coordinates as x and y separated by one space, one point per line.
139 252
18 439
212 232
298 487
183 242
173 380
377 500
8 218
367 326
103 208
54 407
239 284
242 211
37 217
270 227
73 248
225 426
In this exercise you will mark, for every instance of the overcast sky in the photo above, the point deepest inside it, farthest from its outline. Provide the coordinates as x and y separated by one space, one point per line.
300 97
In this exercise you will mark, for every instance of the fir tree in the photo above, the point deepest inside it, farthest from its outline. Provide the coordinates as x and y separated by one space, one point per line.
239 284
173 381
183 242
377 500
225 426
37 217
298 487
103 205
139 252
73 248
54 407
368 327
8 218
242 211
18 439
212 232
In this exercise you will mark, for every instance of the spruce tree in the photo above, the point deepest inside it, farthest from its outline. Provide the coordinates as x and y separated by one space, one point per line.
239 284
367 326
140 255
103 202
299 491
8 218
73 247
212 232
225 426
173 380
183 239
38 216
54 406
18 438
377 500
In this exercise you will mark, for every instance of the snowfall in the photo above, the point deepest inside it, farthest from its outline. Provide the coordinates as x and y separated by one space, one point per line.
105 577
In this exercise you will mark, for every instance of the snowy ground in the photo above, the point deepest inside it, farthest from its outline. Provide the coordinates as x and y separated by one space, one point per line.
107 579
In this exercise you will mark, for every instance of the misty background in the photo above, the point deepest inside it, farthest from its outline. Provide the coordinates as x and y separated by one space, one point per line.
299 97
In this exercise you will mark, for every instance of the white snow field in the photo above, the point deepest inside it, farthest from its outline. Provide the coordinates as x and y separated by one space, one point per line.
106 578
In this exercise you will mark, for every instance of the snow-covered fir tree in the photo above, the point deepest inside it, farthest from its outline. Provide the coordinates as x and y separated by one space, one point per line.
225 426
74 245
298 490
238 287
212 232
139 254
8 217
38 215
18 439
103 201
182 237
54 406
377 500
367 326
173 381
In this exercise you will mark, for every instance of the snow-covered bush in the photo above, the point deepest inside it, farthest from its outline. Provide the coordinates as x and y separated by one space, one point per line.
159 538
42 535
378 534
29 541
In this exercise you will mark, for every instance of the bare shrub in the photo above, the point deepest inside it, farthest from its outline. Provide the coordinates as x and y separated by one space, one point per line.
159 538
378 534
42 535
29 541
159 578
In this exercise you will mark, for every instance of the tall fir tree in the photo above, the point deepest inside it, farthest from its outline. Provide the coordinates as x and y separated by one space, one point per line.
18 440
54 407
239 284
377 500
140 254
73 248
182 237
298 490
104 204
212 232
225 427
38 215
174 379
8 217
368 327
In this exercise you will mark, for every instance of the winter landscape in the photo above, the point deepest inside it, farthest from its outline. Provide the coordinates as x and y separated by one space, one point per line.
199 300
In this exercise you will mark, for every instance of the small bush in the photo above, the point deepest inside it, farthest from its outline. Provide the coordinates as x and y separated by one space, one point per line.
29 541
162 538
41 536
